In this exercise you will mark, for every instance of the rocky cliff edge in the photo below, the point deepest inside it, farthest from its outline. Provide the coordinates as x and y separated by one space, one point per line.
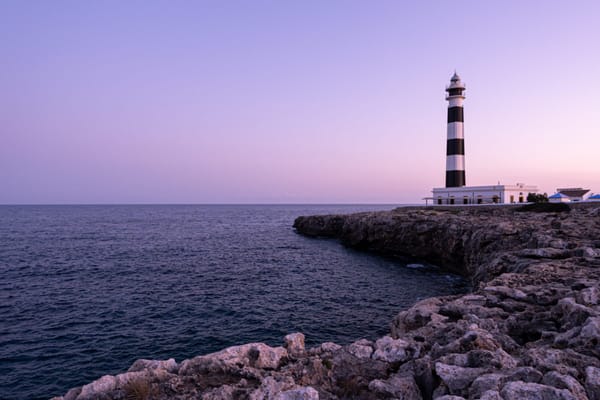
530 329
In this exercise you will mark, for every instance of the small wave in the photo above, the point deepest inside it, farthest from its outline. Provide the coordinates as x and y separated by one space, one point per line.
415 266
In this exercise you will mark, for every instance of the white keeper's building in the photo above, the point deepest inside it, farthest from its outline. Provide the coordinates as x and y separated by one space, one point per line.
504 194
456 191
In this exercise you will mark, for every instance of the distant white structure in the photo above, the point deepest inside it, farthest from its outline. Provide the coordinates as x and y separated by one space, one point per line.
456 191
595 197
559 198
574 194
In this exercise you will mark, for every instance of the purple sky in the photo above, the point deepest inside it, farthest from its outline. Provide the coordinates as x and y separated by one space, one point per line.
291 102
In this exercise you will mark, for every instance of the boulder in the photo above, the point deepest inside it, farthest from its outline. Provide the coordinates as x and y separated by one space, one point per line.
456 378
533 391
361 349
415 317
486 382
294 343
398 386
491 395
561 381
256 355
394 350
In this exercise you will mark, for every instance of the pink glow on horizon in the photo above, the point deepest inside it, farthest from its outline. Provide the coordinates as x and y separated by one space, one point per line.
337 102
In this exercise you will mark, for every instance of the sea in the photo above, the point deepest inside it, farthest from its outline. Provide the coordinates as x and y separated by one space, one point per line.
87 290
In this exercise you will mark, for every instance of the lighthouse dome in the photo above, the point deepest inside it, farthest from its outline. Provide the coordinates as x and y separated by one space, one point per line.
455 83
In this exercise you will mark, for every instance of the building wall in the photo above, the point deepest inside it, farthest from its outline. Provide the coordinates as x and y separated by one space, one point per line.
483 194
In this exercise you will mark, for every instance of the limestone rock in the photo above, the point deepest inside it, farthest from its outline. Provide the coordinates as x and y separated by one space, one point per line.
509 292
294 343
415 317
305 393
565 382
533 391
105 384
271 387
589 296
525 374
393 350
168 365
545 253
592 382
219 393
491 395
361 349
327 347
257 355
457 378
401 387
485 383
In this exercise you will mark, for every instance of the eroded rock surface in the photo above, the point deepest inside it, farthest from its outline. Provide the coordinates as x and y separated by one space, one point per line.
529 330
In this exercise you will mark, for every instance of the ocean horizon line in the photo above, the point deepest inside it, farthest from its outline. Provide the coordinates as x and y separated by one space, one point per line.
213 204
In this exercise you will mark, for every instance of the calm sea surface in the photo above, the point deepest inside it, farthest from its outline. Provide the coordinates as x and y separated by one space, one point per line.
87 290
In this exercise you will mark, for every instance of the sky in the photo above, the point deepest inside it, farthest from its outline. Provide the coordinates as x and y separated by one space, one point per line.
291 101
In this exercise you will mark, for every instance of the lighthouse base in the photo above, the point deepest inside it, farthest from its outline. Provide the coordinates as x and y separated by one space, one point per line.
495 194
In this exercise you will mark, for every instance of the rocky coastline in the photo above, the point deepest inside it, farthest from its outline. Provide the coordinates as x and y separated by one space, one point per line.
530 329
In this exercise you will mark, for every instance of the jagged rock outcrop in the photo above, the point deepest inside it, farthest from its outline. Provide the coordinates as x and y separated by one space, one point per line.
529 330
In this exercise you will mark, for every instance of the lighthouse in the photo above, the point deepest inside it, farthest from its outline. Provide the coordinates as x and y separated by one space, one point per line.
455 147
456 190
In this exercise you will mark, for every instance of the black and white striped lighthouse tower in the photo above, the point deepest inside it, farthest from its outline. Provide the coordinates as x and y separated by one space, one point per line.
455 150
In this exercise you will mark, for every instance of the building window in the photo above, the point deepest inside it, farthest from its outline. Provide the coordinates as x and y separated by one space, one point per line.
451 200
465 200
512 198
439 200
495 199
479 200
521 199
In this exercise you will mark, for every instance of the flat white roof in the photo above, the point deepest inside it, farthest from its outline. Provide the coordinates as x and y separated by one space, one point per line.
486 188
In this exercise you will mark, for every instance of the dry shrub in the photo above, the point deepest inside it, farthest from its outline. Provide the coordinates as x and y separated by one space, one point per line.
137 389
